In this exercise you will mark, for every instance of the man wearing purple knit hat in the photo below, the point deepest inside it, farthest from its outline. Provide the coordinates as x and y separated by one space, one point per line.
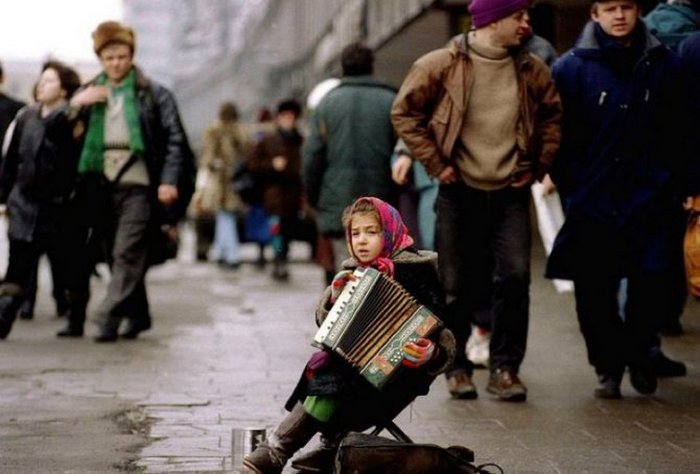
483 116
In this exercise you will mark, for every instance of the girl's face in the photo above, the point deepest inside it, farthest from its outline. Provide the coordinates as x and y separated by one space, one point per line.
366 237
49 91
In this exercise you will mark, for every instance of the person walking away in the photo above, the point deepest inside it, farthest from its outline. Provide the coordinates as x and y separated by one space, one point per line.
136 176
623 175
223 150
333 398
36 179
420 190
347 153
672 22
276 158
486 143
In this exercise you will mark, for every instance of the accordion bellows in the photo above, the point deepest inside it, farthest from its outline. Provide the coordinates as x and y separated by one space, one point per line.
370 322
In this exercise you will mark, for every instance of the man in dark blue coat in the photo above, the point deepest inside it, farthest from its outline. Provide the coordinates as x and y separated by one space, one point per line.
619 173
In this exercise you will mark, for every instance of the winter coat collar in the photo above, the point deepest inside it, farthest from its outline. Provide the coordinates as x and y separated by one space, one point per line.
365 81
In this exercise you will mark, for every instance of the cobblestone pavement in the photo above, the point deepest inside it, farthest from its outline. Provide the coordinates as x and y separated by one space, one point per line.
227 347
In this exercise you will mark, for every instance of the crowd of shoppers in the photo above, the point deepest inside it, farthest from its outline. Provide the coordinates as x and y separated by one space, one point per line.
104 173
472 126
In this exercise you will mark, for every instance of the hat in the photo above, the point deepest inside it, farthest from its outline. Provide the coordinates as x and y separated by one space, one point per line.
112 32
485 12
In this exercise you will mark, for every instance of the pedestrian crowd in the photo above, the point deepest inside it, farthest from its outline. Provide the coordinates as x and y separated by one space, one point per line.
429 184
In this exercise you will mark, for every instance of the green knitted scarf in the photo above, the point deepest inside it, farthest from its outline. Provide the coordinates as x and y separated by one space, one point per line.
91 158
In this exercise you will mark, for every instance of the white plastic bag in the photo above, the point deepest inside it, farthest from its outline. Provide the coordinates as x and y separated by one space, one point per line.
550 218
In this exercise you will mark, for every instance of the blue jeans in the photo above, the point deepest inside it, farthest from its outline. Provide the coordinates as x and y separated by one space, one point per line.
226 242
483 242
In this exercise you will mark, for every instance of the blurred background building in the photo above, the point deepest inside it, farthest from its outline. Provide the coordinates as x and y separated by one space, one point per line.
256 52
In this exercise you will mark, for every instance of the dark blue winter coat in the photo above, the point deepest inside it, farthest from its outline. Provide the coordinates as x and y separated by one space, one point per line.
623 149
689 52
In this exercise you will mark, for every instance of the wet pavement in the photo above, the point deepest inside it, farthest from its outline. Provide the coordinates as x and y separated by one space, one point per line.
227 347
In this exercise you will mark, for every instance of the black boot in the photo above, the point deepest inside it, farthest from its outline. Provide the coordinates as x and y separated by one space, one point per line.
292 434
26 311
11 299
135 326
279 271
77 305
643 378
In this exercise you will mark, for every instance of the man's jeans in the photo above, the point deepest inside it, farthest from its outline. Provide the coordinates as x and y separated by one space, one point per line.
226 242
483 242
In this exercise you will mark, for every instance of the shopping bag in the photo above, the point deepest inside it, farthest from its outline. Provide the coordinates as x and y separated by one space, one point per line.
550 218
257 226
691 253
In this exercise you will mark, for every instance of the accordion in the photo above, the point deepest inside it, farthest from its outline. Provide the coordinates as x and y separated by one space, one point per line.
370 322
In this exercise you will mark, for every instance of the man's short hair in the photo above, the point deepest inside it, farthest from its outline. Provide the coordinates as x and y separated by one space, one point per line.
289 105
357 60
228 112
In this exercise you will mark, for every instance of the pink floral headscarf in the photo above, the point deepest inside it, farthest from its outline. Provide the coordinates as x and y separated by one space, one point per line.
394 234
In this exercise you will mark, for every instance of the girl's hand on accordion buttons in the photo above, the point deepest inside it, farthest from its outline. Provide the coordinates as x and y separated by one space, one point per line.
419 352
338 283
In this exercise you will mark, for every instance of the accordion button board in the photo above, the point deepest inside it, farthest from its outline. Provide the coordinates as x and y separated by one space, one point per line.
372 319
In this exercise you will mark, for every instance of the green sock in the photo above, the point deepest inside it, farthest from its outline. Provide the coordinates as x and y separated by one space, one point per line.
321 407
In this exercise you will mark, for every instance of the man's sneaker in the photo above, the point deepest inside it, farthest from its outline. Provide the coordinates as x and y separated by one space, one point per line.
506 385
460 385
478 347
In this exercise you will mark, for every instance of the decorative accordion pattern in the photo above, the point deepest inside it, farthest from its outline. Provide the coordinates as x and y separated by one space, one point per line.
370 322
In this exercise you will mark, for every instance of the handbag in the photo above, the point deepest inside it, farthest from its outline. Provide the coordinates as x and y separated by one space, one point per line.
691 253
246 183
208 193
257 225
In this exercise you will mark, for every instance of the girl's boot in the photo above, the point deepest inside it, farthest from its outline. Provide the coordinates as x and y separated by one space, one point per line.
292 434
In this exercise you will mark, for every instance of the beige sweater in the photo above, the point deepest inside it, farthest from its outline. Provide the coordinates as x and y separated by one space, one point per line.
486 150
116 140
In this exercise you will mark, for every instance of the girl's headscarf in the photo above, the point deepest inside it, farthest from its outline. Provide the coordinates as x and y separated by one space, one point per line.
394 234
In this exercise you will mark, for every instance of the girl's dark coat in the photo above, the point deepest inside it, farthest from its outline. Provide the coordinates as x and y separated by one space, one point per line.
363 405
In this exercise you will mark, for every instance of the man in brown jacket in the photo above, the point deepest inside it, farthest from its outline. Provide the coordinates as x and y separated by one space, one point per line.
484 118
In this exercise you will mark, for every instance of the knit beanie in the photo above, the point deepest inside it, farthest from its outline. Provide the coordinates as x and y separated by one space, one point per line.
112 32
485 12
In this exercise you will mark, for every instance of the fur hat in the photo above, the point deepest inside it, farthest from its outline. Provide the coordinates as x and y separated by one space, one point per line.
485 12
112 32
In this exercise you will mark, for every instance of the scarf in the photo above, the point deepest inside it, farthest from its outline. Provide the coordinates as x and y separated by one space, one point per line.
394 235
91 158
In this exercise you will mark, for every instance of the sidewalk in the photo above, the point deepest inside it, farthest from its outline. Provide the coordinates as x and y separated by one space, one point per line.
227 347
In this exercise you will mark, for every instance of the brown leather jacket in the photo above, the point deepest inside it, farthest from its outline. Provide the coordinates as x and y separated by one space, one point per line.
428 111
